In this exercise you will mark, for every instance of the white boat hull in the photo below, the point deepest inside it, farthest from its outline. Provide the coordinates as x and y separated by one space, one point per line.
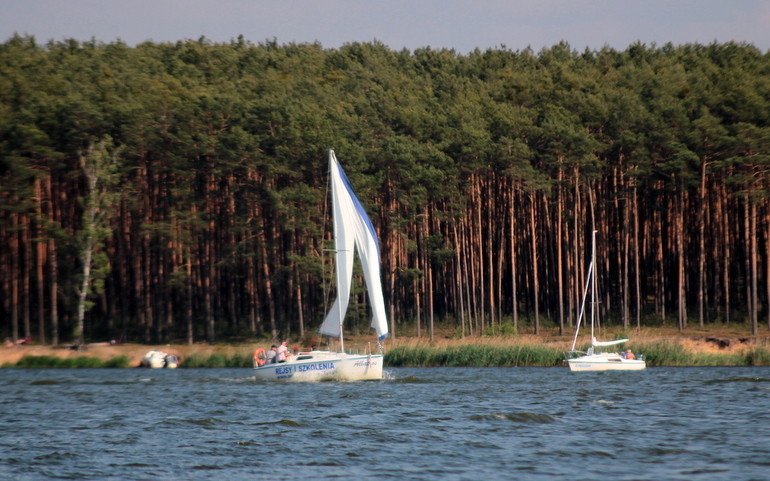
605 362
321 366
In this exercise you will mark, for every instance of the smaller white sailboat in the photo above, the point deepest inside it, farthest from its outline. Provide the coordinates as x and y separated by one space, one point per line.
353 232
593 359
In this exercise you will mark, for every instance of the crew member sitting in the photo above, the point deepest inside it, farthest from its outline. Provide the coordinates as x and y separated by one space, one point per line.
271 354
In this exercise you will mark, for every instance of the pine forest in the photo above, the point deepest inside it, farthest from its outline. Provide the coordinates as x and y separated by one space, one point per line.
178 192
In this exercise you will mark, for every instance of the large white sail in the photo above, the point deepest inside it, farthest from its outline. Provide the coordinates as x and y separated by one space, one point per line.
353 229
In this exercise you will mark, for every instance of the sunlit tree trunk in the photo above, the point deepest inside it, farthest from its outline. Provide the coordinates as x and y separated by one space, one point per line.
13 261
26 275
702 243
189 288
40 245
626 262
535 280
727 249
682 308
53 266
767 261
489 208
637 254
479 250
750 265
512 240
754 305
559 241
267 278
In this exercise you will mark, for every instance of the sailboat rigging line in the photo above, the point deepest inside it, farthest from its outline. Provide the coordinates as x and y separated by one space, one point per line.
583 304
327 292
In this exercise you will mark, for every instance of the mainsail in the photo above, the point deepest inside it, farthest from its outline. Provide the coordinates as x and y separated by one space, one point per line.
353 229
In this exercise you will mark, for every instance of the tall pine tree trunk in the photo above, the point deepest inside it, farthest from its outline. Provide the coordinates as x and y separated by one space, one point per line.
262 240
189 287
40 245
53 266
682 308
753 255
637 255
514 291
702 243
748 234
26 275
767 261
559 242
535 280
14 275
726 245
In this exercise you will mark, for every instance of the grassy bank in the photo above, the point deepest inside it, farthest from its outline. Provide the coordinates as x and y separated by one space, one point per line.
660 348
217 360
473 356
54 362
674 353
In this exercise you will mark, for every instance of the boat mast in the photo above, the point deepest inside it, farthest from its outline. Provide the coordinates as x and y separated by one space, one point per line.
593 282
583 304
342 335
337 267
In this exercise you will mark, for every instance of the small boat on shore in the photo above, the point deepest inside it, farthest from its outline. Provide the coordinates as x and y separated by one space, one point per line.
159 359
171 361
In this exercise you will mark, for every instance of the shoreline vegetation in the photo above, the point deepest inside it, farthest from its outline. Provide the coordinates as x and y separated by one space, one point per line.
661 348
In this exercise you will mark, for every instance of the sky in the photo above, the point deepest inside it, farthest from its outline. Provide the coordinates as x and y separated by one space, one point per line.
461 25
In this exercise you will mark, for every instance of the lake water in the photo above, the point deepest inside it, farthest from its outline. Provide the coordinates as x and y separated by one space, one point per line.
420 424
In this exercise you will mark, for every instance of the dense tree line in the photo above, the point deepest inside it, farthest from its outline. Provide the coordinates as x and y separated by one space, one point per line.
484 174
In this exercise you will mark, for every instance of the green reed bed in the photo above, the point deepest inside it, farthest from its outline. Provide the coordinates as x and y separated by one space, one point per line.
49 362
666 353
658 353
217 360
672 353
758 356
473 356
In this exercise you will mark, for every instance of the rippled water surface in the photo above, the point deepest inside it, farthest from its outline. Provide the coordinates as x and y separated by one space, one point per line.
421 424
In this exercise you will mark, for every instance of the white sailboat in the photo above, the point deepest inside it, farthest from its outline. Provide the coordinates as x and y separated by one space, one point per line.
353 232
594 360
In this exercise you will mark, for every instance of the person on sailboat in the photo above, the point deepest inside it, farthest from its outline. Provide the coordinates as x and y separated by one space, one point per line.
270 356
282 354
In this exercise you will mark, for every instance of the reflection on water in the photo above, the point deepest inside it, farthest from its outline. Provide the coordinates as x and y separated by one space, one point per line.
422 424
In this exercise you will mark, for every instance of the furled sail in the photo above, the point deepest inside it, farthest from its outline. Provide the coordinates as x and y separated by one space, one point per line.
353 229
596 343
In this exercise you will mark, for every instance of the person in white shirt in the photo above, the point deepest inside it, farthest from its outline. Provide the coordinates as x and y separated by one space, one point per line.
282 354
